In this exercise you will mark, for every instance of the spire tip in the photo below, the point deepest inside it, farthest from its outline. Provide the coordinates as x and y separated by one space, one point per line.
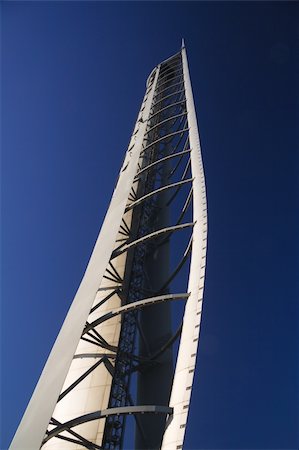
183 43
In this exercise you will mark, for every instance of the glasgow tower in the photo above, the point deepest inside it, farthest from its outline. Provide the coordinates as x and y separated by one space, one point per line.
124 359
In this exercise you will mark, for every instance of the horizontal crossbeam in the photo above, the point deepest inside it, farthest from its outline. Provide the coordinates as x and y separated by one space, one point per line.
166 120
164 137
166 107
169 87
165 74
168 96
157 191
165 82
134 305
94 355
145 409
169 69
155 234
161 160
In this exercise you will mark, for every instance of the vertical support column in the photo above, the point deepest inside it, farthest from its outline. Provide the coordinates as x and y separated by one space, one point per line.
184 372
154 383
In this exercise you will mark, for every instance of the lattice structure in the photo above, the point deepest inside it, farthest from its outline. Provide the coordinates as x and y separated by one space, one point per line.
115 355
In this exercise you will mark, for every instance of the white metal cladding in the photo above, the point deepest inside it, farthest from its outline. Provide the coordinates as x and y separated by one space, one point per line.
159 195
33 425
184 372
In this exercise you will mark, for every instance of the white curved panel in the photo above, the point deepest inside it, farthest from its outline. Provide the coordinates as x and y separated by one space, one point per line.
32 428
93 392
185 365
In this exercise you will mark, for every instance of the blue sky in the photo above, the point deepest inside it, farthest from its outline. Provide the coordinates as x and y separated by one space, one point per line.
73 77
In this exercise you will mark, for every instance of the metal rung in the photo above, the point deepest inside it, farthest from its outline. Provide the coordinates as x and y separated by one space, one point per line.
166 107
127 247
169 87
135 305
166 120
157 191
146 409
168 96
164 75
159 161
165 82
164 137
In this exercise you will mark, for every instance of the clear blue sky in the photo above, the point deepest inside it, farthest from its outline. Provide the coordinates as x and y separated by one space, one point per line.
73 77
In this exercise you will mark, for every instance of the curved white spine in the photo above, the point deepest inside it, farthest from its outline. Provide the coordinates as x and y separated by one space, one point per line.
34 423
184 372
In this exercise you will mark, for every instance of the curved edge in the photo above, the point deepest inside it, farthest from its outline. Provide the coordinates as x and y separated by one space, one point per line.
146 409
151 74
135 305
185 366
36 418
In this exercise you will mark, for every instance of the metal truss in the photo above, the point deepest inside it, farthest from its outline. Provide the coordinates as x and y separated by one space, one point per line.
160 230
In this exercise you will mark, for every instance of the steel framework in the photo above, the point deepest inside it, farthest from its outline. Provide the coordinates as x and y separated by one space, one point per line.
114 356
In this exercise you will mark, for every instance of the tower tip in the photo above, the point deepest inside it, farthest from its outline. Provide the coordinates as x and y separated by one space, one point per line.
183 43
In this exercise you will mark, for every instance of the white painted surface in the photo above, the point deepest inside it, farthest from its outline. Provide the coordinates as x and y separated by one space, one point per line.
34 423
93 392
183 378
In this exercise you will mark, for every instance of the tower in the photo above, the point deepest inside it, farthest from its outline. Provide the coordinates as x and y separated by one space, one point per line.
117 355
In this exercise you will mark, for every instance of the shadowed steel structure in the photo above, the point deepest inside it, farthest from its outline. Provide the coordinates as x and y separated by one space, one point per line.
117 356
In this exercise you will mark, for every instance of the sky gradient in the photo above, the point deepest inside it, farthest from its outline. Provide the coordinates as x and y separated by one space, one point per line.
73 78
